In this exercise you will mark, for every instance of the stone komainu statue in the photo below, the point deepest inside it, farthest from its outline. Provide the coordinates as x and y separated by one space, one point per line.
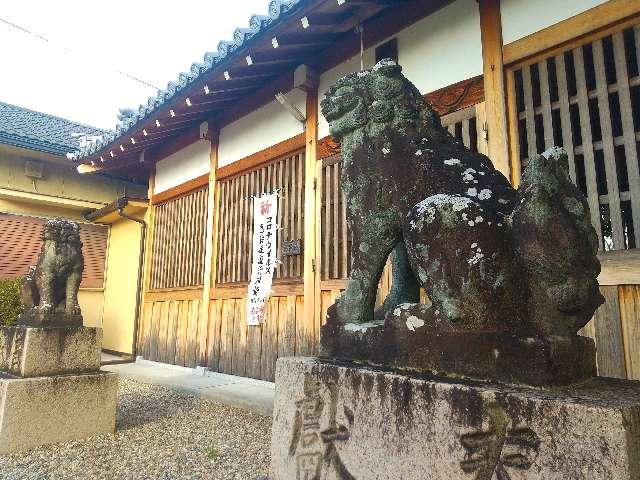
50 289
490 258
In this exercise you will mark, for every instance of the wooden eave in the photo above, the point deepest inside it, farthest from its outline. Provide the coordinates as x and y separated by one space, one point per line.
329 39
108 214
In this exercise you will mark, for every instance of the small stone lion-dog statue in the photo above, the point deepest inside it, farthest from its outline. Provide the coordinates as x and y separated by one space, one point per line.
50 289
492 259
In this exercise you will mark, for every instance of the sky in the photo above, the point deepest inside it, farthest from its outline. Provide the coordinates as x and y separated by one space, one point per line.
74 74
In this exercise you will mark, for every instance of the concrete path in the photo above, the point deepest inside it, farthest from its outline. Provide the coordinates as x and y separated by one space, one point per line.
246 393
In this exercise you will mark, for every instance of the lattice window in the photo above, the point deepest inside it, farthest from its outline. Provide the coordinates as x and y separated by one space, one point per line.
179 242
588 100
235 229
463 124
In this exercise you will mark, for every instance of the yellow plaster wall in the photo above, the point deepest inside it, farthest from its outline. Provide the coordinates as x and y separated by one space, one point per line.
60 179
118 314
91 302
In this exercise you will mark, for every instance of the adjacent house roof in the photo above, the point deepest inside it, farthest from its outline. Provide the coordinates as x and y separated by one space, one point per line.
21 127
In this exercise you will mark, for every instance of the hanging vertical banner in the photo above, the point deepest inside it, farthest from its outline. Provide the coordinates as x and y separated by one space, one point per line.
265 211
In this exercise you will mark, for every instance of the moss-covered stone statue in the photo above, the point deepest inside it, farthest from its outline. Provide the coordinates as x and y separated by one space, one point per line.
511 274
50 289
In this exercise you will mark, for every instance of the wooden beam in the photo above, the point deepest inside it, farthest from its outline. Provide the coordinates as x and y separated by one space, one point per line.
310 225
558 35
180 190
269 154
494 88
209 252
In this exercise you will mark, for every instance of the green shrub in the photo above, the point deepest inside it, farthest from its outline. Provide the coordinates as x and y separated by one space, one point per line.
10 304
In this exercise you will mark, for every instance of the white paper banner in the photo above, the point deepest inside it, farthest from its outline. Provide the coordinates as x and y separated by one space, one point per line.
265 211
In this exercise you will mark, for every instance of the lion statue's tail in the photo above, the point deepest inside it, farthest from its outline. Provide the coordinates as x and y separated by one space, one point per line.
556 245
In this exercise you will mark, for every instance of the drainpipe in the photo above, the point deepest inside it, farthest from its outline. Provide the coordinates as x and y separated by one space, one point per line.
143 226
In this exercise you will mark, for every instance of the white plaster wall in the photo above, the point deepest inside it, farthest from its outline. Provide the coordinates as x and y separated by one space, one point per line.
186 164
260 129
439 50
524 17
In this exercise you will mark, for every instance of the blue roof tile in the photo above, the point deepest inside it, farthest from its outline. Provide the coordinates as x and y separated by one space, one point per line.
39 131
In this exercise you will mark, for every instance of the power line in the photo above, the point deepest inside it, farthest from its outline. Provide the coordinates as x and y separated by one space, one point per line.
68 50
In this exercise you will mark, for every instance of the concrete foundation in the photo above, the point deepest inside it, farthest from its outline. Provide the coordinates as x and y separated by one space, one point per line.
41 351
44 410
341 422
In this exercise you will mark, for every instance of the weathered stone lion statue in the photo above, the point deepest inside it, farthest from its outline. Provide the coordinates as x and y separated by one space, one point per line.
50 289
499 265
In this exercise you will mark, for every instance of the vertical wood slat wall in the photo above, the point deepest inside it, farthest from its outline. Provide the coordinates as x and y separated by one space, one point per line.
178 242
235 231
587 99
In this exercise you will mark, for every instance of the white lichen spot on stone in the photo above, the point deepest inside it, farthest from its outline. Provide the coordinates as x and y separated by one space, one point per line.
485 194
496 353
397 311
414 322
503 201
471 223
452 161
474 245
499 224
479 219
482 173
476 258
555 152
385 150
419 152
361 327
426 209
472 192
464 216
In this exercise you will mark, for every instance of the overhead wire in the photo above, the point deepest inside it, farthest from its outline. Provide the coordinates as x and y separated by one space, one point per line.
69 50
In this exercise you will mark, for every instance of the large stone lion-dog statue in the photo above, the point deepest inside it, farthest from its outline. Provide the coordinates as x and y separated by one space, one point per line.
50 289
490 258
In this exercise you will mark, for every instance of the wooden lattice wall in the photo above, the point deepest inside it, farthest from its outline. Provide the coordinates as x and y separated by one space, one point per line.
587 99
178 242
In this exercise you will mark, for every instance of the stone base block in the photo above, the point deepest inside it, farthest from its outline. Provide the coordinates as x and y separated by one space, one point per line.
35 317
492 356
42 351
44 410
339 421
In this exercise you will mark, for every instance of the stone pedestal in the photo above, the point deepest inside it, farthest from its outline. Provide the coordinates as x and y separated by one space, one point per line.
340 421
51 386
43 410
41 351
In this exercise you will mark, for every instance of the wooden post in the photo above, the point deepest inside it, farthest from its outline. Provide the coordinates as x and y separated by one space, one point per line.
209 257
310 227
494 88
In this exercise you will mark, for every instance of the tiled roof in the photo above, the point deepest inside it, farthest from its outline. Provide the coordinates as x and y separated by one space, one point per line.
257 24
38 131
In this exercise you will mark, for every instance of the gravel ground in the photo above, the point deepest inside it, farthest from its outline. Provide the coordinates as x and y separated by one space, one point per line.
161 434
